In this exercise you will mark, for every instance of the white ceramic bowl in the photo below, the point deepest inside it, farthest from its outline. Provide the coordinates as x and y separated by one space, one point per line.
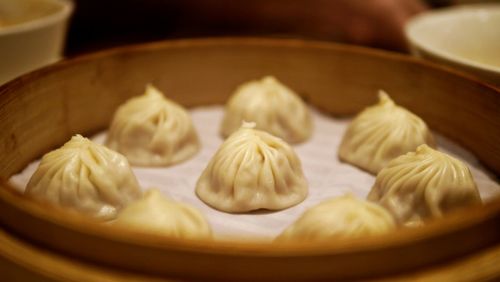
464 37
32 34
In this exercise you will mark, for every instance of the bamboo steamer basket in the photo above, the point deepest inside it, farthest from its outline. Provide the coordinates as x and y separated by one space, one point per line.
42 110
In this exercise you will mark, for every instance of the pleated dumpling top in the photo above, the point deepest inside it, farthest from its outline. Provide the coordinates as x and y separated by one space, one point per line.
151 130
424 184
273 107
85 176
381 133
252 170
157 214
340 217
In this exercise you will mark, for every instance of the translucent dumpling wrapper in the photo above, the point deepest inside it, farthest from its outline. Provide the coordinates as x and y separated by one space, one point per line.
85 176
341 217
252 170
157 214
424 184
151 130
273 107
381 133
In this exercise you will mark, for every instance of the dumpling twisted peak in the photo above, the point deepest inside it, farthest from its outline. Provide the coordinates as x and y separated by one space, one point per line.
155 213
86 176
252 170
381 133
340 217
424 184
272 106
151 130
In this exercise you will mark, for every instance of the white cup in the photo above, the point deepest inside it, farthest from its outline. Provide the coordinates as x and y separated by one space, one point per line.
32 34
464 37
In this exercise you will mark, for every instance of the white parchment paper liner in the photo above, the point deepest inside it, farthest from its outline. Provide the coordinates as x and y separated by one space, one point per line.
327 176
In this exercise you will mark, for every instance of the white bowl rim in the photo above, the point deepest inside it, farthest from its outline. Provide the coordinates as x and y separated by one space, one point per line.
471 8
66 8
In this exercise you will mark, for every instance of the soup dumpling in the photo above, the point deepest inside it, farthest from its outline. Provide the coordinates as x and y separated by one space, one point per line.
340 217
157 214
273 107
151 130
424 184
85 176
381 133
252 170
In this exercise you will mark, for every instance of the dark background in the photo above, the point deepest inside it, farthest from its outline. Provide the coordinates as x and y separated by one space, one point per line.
99 24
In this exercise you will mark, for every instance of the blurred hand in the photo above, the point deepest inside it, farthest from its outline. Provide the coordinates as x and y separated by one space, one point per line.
376 23
367 22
